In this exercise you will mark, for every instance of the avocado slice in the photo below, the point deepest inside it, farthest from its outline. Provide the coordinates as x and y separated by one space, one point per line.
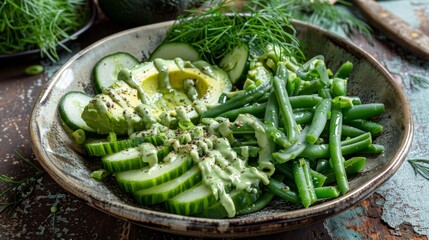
154 91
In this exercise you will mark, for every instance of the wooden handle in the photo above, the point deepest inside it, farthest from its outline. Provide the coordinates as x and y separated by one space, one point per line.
395 28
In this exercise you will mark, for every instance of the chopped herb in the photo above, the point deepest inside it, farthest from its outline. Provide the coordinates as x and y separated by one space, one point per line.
19 189
34 24
213 33
34 70
419 82
421 166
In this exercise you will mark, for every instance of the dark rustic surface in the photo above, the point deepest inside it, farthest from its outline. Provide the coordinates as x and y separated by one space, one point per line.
398 210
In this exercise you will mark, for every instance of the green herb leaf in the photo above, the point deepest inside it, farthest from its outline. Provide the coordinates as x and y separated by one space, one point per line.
216 30
20 189
420 166
34 24
419 82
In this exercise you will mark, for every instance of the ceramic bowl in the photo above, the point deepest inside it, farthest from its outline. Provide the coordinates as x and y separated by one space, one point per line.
67 166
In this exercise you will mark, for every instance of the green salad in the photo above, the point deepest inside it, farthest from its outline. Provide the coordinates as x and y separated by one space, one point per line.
219 120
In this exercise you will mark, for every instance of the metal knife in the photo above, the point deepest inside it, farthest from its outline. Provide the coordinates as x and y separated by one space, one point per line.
395 28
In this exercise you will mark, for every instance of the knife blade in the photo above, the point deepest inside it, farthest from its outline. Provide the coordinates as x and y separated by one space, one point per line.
407 36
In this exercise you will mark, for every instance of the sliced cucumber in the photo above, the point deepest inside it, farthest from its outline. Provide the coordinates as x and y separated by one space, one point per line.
165 191
236 63
70 107
174 50
104 147
101 148
134 180
191 201
131 158
105 72
241 199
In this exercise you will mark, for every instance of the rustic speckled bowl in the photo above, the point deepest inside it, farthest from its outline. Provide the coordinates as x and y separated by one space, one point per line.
65 163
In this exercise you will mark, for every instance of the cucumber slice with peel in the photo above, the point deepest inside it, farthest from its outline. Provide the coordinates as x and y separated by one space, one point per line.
191 201
236 63
131 158
165 191
241 199
134 180
70 108
104 147
170 51
106 70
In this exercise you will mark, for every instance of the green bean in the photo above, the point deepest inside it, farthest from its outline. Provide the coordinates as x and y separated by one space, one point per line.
318 179
254 109
323 73
222 98
311 87
290 125
319 121
238 101
322 164
303 116
263 201
352 166
305 72
344 70
282 72
293 86
339 87
304 183
325 93
34 70
347 147
280 189
364 111
274 133
286 171
100 175
373 149
277 136
326 192
365 125
356 139
294 151
271 116
335 148
349 131
304 101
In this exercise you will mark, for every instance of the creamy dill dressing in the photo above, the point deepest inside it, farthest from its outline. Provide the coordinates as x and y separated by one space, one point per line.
152 92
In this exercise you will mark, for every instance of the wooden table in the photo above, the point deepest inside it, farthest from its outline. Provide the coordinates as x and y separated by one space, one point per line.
397 210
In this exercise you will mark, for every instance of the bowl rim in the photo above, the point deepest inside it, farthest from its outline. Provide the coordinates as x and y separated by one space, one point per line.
185 225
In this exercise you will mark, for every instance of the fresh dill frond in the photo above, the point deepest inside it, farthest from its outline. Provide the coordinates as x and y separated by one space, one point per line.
420 166
419 82
324 14
216 30
18 189
34 24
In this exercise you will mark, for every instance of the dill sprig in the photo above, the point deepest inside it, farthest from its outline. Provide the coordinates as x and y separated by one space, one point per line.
214 33
420 166
19 189
324 14
419 82
39 24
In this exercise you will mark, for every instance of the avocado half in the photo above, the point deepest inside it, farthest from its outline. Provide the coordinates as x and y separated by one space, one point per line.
141 12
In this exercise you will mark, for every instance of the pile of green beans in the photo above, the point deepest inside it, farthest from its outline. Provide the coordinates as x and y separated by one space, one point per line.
319 134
